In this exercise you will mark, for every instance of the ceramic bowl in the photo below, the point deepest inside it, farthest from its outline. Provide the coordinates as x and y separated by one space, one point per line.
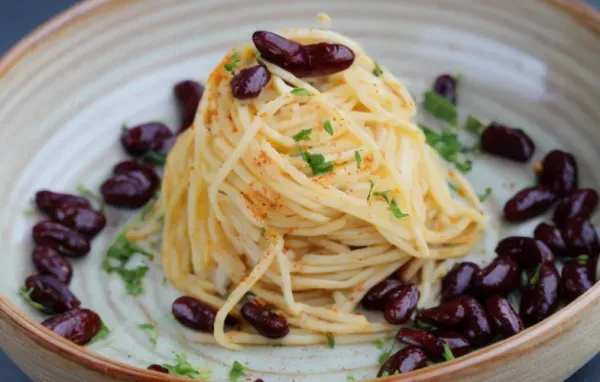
66 89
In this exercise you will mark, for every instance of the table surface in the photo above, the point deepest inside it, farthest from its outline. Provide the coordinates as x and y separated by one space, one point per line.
17 18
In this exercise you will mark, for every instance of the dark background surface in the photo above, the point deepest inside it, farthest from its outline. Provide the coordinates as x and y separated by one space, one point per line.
17 18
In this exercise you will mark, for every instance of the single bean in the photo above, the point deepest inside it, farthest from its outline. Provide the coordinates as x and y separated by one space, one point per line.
377 295
459 280
422 339
577 204
267 323
401 304
507 142
448 315
445 85
500 276
130 166
163 146
559 172
67 241
140 139
527 252
478 329
128 191
457 343
48 261
528 203
552 237
408 359
82 219
194 314
76 325
249 82
160 369
576 278
540 297
580 237
47 201
51 293
188 93
503 316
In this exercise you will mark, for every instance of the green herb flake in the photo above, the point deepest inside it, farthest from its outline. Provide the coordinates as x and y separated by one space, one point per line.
263 230
486 194
358 158
26 294
151 332
385 374
328 127
102 334
155 158
440 107
582 259
448 146
330 341
303 135
182 368
350 378
370 189
536 275
233 63
448 353
474 125
424 326
377 71
124 127
452 187
379 344
299 92
117 256
29 211
392 203
384 356
236 372
89 194
317 163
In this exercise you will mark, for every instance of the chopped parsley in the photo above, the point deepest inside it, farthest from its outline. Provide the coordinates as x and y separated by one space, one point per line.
151 331
89 194
330 340
392 203
328 127
448 353
102 334
183 368
304 135
117 256
486 194
317 163
358 158
440 107
448 146
385 374
370 189
381 345
452 187
424 326
233 63
582 259
263 230
299 92
377 71
474 126
236 372
155 158
26 294
536 275
350 378
124 127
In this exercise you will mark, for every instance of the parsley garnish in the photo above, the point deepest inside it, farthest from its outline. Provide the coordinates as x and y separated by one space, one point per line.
87 193
448 146
124 127
102 334
328 127
448 353
263 230
26 294
183 368
536 275
370 189
299 92
440 107
474 126
358 158
377 71
317 163
486 194
236 372
392 203
380 344
425 326
452 187
155 158
151 331
304 135
330 340
117 257
350 378
385 374
233 63
582 259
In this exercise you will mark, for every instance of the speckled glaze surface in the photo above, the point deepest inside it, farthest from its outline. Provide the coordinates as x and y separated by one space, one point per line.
66 90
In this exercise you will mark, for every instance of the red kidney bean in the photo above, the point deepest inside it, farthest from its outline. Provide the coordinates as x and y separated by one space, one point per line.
559 172
47 201
67 241
163 146
194 313
507 142
188 94
540 299
130 166
577 204
48 261
459 280
51 293
160 369
448 315
132 186
82 219
580 237
478 329
267 323
408 359
500 276
503 316
77 325
457 343
140 139
423 339
528 203
401 304
377 295
445 85
321 59
249 82
576 278
527 252
552 237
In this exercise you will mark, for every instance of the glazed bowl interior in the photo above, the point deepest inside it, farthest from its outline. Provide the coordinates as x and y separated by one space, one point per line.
66 91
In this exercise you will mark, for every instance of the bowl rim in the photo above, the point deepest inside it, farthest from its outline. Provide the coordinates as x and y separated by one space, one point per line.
583 14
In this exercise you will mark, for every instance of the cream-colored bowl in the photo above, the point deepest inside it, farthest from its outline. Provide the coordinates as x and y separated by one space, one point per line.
66 89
